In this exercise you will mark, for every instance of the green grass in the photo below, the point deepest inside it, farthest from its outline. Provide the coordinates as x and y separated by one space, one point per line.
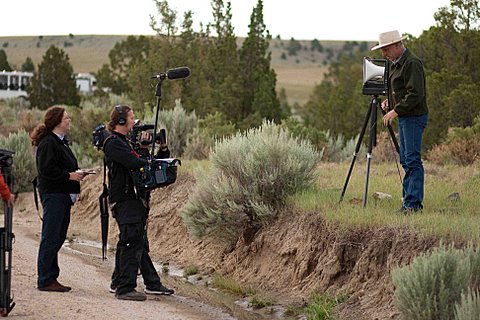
232 286
456 219
320 307
190 271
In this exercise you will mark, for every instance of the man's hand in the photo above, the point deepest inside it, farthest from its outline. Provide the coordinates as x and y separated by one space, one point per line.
385 105
387 119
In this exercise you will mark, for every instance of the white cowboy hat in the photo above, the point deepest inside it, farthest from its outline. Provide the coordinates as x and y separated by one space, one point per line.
388 38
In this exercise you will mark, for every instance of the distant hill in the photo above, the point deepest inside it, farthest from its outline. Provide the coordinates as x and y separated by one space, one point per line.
298 66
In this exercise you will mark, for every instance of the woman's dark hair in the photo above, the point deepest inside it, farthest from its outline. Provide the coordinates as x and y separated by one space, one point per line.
53 117
115 115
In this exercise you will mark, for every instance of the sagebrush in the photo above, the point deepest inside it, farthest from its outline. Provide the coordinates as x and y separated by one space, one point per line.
429 288
250 177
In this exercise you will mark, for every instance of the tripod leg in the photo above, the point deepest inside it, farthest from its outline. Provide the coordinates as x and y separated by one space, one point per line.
392 134
371 143
394 139
357 149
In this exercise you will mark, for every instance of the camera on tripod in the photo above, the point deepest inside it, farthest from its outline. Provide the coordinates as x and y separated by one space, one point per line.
375 77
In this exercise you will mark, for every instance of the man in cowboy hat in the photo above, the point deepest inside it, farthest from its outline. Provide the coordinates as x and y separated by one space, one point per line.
407 100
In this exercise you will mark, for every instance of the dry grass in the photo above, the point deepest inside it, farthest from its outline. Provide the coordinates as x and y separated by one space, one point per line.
297 74
87 52
457 218
298 80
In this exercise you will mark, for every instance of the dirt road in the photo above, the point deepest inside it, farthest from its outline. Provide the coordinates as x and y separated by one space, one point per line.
89 278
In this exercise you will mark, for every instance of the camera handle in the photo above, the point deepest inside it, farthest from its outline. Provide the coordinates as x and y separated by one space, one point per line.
371 117
158 94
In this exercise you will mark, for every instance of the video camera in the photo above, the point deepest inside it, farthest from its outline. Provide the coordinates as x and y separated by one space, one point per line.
100 134
160 172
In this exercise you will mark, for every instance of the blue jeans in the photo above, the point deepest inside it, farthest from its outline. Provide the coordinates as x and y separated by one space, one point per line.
56 218
410 130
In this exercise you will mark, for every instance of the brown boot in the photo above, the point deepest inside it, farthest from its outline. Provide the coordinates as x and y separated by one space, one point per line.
61 285
55 287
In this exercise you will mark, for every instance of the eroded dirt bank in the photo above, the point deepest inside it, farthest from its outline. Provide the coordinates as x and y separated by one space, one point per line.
289 258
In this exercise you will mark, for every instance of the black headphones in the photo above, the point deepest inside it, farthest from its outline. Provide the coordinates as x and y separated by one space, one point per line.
122 119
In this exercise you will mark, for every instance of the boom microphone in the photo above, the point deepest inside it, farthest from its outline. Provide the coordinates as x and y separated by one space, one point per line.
172 74
178 73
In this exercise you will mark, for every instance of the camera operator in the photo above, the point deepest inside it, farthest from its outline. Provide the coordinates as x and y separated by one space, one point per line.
5 191
130 210
407 100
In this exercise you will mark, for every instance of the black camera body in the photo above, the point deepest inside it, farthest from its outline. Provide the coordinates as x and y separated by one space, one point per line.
6 158
100 134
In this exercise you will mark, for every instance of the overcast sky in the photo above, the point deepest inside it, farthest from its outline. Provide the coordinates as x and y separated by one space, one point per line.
300 19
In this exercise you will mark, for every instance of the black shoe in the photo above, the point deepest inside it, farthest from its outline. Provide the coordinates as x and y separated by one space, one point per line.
132 296
159 289
112 288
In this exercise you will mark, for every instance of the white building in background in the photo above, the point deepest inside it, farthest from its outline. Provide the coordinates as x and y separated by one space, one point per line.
86 83
13 84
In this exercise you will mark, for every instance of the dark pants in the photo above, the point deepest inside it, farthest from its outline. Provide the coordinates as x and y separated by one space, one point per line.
56 218
132 251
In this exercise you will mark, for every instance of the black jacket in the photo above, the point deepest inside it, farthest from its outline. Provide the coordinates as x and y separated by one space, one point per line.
121 159
407 87
55 161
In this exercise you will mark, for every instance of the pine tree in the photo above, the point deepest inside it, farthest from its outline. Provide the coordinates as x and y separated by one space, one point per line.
54 82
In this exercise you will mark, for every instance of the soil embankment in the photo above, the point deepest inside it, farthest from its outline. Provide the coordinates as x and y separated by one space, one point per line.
290 258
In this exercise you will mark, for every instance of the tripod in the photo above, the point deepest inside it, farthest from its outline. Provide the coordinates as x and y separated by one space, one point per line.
371 117
6 239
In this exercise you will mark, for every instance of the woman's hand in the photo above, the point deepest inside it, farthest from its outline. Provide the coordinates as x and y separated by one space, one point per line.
76 176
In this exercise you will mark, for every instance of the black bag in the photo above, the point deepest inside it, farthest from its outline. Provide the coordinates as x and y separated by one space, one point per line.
159 174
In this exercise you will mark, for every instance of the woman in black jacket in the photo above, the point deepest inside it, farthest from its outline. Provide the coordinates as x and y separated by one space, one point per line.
59 185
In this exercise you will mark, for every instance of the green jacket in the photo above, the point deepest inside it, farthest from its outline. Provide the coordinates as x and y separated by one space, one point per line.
406 86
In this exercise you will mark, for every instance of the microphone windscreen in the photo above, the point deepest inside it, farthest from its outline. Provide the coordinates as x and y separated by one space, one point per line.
178 73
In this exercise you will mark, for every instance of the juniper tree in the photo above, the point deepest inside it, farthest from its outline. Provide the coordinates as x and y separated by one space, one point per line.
28 65
223 62
54 83
258 78
4 65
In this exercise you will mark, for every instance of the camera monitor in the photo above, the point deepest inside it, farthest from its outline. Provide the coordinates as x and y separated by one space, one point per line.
375 77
